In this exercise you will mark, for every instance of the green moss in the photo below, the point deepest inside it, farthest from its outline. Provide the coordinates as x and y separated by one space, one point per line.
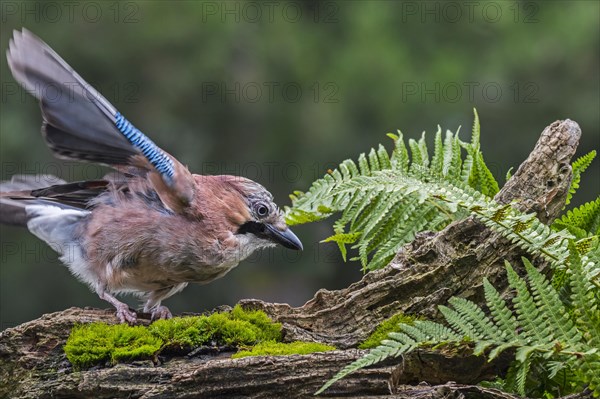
266 329
273 348
384 328
234 331
96 343
181 332
238 327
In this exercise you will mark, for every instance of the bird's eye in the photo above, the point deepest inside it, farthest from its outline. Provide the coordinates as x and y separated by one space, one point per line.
262 210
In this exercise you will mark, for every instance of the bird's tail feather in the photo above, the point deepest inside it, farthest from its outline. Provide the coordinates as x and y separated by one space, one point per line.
12 212
15 196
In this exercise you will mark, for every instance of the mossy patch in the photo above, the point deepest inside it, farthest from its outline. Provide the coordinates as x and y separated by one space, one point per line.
97 343
271 348
384 328
90 344
238 327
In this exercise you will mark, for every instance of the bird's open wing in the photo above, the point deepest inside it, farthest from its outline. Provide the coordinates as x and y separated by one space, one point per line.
80 124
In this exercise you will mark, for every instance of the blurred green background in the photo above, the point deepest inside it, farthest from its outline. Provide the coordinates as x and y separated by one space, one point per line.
281 91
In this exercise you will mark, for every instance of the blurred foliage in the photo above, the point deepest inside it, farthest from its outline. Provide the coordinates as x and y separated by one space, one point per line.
334 77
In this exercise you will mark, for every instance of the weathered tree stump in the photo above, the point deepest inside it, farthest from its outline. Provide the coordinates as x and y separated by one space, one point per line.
424 274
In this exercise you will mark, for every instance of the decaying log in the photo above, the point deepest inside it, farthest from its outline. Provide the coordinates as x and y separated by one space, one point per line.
424 274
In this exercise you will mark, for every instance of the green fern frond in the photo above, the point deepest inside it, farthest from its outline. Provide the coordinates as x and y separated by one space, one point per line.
587 244
399 159
469 314
437 332
535 326
583 220
343 238
402 343
524 230
585 298
388 211
508 174
476 132
386 190
411 336
453 162
302 217
487 184
539 239
437 160
386 198
413 332
586 310
547 299
505 321
578 167
419 152
475 171
549 336
522 370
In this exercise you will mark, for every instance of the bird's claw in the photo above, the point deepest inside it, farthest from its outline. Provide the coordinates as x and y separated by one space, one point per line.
161 312
126 315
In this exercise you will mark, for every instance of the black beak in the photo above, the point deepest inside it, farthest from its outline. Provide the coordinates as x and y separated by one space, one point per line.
286 237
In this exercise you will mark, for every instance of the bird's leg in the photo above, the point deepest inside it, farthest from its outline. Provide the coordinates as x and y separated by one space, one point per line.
154 307
124 314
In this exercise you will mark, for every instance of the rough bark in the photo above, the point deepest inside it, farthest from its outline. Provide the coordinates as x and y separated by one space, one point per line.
424 274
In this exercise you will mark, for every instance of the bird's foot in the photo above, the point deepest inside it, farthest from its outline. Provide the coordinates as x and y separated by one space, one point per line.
126 315
161 312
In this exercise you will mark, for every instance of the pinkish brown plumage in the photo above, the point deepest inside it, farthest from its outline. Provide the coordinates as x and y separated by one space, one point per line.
149 228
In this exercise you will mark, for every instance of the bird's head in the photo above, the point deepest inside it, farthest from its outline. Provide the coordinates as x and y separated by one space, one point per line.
251 212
